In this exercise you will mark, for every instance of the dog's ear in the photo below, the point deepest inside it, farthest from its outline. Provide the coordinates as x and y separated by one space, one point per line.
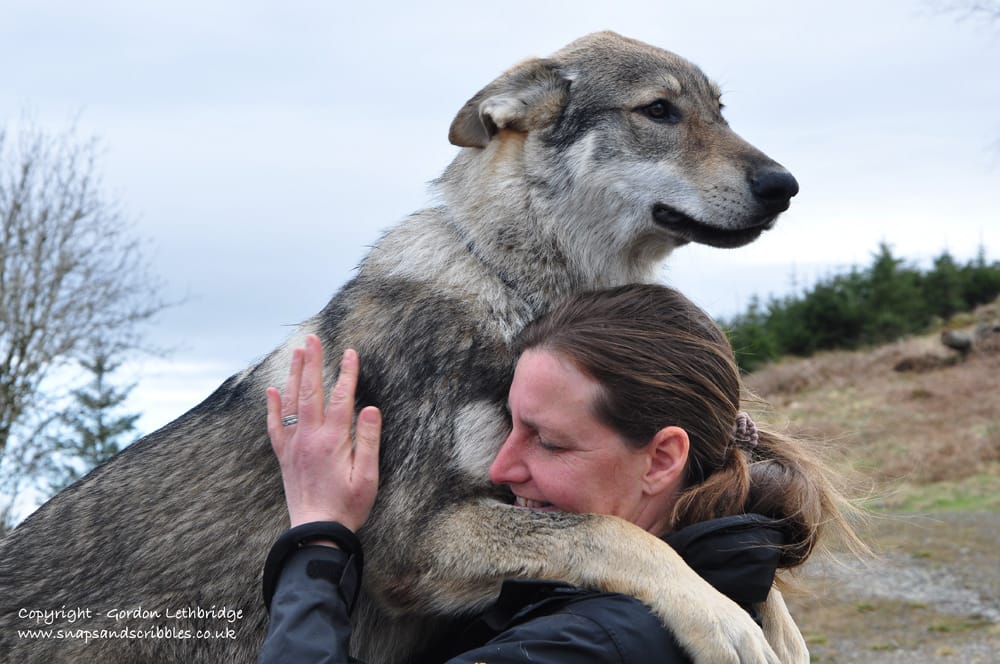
529 96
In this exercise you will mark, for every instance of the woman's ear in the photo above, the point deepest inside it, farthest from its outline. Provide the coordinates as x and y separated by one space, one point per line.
668 455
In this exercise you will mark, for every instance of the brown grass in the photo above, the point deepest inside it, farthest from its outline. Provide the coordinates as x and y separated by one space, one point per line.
937 422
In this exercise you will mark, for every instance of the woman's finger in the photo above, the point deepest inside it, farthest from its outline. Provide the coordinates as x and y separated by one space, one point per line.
274 426
341 408
290 401
368 434
310 406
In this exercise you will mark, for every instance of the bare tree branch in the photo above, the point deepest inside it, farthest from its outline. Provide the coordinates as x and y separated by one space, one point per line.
72 275
986 10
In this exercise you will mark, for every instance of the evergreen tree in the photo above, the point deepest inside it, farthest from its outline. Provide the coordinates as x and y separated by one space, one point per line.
883 302
833 313
980 280
942 287
751 341
93 424
895 303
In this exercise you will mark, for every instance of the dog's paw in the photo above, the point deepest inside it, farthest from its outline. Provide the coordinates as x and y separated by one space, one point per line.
715 630
781 631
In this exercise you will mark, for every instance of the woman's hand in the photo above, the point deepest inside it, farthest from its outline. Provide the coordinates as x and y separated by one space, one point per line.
327 475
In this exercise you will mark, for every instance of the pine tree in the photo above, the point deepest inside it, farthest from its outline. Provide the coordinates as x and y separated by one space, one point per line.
943 287
751 341
93 425
980 280
895 304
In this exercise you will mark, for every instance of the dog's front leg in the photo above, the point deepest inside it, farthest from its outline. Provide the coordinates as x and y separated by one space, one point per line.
466 552
781 631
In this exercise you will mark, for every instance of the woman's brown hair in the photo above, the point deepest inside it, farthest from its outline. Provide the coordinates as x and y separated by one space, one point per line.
661 361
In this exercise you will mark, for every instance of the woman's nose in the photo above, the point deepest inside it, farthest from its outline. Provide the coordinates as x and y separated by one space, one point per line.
508 467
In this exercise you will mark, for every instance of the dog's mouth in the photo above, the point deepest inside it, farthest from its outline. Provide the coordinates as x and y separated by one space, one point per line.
687 229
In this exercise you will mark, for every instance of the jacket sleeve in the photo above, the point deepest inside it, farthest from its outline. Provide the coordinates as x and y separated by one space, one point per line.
603 629
309 610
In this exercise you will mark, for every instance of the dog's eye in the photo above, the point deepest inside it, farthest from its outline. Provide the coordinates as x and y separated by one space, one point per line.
662 110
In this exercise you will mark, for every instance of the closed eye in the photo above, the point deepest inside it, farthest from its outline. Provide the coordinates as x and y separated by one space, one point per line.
549 447
662 111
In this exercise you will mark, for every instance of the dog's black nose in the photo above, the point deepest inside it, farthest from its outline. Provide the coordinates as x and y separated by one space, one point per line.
774 187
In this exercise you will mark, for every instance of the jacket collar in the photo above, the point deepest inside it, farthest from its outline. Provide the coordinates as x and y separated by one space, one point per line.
737 554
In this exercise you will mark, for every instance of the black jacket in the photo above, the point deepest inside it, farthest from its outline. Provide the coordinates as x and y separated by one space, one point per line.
532 621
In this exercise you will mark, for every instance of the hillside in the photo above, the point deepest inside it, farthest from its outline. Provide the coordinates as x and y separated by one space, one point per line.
918 427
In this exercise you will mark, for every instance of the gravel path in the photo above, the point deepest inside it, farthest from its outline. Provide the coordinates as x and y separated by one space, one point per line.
932 595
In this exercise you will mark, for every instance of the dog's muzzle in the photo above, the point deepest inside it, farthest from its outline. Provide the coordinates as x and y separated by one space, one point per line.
772 187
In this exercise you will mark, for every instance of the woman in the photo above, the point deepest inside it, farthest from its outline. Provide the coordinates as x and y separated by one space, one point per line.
624 402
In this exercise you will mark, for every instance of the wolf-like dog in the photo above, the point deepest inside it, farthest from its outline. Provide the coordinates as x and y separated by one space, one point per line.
581 170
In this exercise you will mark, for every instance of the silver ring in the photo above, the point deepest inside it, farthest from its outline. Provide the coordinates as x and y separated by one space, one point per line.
289 420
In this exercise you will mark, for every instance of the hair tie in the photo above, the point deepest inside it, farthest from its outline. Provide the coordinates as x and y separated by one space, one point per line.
745 434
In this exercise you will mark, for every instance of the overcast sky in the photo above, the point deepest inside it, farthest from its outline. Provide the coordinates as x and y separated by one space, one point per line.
260 147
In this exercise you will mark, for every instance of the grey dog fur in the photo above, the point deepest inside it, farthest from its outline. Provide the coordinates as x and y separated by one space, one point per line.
560 186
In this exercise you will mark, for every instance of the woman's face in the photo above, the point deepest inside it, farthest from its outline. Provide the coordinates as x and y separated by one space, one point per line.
558 456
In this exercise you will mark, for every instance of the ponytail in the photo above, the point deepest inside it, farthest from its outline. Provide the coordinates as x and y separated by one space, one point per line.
778 477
